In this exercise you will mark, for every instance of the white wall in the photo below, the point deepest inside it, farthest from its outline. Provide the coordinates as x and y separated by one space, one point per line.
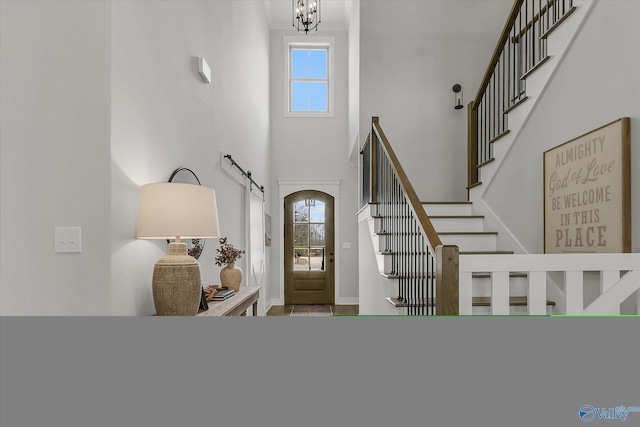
353 9
164 116
99 98
374 289
597 83
54 162
314 148
412 53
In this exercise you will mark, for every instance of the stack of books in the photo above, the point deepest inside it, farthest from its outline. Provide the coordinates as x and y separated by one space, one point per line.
223 294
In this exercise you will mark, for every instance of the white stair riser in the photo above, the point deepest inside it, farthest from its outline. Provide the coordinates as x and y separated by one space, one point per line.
468 223
378 242
458 224
384 263
471 242
481 286
438 209
373 224
516 310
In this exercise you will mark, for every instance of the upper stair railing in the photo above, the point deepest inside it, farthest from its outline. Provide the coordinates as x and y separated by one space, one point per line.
423 266
521 49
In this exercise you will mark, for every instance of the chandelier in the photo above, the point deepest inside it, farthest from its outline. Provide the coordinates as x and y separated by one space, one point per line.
306 16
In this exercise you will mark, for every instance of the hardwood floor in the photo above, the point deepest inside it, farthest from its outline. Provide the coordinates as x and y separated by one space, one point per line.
338 310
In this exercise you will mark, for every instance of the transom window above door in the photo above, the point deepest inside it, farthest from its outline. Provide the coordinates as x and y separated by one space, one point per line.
309 79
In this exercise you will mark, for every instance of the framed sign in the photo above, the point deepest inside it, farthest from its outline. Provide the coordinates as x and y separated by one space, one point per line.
587 192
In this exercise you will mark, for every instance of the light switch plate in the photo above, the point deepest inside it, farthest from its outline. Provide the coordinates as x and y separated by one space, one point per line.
68 240
346 245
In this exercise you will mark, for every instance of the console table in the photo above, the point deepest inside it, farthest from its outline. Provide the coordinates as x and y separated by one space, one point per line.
236 305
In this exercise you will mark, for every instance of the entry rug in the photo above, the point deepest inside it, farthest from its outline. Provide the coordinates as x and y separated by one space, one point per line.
311 310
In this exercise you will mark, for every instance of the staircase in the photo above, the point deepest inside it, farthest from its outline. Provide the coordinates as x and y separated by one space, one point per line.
456 224
492 131
483 270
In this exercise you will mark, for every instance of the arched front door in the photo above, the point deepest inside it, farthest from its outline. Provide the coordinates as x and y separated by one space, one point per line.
309 248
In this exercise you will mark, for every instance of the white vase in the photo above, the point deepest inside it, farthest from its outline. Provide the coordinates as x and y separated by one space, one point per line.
231 276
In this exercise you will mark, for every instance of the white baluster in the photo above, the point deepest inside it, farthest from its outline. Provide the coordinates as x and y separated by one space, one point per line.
537 292
500 292
465 301
573 292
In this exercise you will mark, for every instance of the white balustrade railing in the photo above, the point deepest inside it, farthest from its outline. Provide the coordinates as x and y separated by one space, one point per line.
619 278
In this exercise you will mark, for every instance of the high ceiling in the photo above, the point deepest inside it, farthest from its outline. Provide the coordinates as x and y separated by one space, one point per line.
333 14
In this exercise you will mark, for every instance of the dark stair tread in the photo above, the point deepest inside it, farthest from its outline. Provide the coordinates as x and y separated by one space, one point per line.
475 302
456 216
512 274
479 275
513 301
401 253
447 203
473 233
486 162
475 184
486 253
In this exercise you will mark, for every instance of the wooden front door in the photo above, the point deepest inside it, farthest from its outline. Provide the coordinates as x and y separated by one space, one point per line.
309 248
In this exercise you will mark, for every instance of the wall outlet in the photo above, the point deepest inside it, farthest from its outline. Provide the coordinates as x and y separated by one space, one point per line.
68 240
346 245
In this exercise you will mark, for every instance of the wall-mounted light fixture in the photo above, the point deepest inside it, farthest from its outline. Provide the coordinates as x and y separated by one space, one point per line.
457 97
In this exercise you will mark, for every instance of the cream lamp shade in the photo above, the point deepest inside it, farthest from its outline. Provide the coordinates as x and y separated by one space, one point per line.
169 210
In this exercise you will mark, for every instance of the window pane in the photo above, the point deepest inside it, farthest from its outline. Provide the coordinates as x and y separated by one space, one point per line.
317 235
316 259
299 96
318 64
317 212
300 212
299 63
318 96
300 259
300 235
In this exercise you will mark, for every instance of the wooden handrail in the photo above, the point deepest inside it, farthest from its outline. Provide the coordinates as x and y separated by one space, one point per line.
504 36
521 49
414 201
546 8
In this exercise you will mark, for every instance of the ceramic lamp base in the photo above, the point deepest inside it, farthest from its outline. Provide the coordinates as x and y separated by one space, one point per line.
177 287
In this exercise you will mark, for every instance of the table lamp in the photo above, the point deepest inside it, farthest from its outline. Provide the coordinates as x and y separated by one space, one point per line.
173 211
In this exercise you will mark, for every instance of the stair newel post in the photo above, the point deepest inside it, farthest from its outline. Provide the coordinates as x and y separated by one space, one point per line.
447 262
